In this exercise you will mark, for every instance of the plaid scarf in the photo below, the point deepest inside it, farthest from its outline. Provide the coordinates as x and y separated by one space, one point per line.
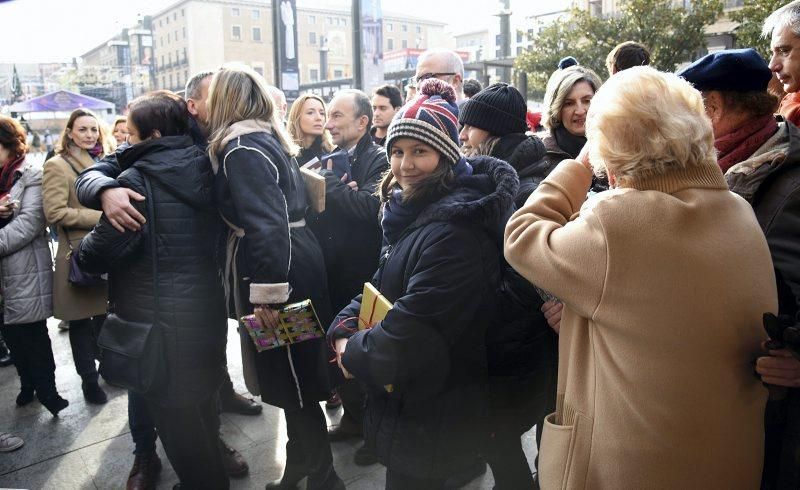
737 146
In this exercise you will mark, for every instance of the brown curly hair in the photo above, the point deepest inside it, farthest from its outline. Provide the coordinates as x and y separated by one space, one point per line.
12 136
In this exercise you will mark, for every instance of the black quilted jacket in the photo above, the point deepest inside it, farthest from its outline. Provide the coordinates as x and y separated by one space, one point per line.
191 309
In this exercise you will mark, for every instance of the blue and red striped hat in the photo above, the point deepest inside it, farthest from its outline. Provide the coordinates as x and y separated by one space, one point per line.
431 117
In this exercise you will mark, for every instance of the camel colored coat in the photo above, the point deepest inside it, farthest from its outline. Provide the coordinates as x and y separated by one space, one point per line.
664 287
62 210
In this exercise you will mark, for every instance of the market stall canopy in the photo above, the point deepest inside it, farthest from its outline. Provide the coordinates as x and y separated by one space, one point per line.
61 101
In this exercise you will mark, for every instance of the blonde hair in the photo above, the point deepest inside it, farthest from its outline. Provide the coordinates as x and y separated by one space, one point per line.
103 134
558 88
238 93
293 122
644 122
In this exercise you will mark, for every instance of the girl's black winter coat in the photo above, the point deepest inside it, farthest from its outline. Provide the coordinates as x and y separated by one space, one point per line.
442 275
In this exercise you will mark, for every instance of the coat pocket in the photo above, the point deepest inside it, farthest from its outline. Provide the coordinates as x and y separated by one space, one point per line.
564 458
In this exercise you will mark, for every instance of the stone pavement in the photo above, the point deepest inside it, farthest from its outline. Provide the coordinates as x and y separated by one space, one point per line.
89 446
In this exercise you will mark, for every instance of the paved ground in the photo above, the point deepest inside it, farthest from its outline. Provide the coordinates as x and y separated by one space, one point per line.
89 446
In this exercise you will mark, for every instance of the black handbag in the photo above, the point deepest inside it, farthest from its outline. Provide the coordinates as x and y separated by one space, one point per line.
132 352
78 276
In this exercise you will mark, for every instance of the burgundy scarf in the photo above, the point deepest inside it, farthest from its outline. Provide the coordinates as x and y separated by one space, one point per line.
8 172
739 145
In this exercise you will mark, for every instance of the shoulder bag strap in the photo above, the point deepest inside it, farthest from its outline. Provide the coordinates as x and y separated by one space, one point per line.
152 221
68 160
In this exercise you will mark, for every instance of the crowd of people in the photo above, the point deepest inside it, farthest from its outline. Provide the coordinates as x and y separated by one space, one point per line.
606 280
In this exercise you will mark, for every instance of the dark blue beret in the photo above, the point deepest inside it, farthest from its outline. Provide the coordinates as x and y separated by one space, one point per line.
733 70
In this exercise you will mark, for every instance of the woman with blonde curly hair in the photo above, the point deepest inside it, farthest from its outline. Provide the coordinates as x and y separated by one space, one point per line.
662 306
306 124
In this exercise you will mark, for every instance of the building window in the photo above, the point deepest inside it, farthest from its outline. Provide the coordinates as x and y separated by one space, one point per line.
344 22
159 23
404 43
329 20
175 16
185 60
389 44
338 74
176 35
183 13
498 39
234 12
162 41
236 33
162 61
519 36
314 74
167 20
418 29
312 38
177 56
257 34
499 53
186 75
169 37
404 27
163 81
390 27
184 32
312 19
520 50
169 60
337 21
256 14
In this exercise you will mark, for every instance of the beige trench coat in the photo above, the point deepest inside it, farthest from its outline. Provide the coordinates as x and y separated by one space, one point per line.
71 219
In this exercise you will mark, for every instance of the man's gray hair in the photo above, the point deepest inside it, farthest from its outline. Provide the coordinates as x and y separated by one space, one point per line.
452 61
361 103
788 15
192 90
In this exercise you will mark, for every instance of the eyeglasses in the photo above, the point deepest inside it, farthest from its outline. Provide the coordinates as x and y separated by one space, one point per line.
426 76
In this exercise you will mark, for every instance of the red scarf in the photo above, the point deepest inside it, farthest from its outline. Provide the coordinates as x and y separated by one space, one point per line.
8 173
739 145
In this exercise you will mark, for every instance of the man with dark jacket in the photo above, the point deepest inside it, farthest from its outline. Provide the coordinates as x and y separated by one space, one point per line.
349 228
760 157
97 188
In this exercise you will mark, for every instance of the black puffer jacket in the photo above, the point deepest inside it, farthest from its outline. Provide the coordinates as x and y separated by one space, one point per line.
349 229
526 154
442 276
190 312
522 344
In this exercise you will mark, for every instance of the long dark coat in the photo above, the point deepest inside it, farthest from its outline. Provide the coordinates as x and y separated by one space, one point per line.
442 275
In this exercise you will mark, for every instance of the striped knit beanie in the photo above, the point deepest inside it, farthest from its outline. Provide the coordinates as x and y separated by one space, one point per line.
432 117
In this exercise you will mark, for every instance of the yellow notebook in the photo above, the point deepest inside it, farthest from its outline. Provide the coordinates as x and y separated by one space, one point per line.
374 307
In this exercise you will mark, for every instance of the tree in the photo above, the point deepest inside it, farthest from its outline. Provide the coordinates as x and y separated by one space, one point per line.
751 20
16 86
673 34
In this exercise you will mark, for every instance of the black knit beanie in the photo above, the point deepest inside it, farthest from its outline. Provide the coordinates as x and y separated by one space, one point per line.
499 109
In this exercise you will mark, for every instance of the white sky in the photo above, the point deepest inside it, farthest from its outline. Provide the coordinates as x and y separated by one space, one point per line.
36 31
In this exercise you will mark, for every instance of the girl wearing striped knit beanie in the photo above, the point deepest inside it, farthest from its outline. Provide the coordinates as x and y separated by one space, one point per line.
443 217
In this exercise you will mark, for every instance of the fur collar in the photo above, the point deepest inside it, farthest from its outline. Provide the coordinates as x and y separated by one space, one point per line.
484 198
237 129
